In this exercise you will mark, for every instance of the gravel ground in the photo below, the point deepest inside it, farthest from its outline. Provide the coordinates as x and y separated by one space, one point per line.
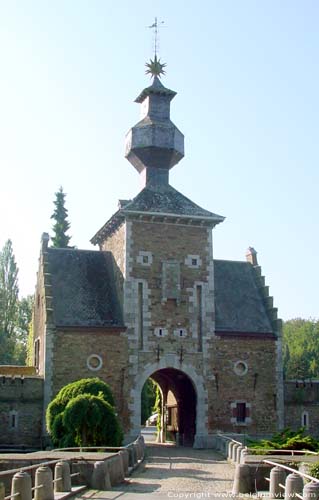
175 472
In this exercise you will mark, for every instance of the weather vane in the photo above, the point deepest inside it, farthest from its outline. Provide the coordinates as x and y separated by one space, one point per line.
155 26
155 67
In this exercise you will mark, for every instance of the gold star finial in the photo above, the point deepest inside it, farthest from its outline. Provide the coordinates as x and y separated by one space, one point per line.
155 67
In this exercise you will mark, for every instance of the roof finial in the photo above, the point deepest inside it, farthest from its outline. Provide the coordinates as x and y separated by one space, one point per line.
155 67
155 27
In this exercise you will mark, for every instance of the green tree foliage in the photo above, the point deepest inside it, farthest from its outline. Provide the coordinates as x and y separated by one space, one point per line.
15 314
61 225
22 328
30 346
82 414
8 302
301 348
148 399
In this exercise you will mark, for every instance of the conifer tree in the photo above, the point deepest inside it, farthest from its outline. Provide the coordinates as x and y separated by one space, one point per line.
61 225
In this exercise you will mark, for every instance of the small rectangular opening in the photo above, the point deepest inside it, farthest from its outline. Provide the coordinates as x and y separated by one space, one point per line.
241 412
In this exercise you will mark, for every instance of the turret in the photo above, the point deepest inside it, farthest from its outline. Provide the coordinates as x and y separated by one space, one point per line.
154 145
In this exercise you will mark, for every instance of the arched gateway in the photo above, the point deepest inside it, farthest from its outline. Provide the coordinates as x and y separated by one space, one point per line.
188 389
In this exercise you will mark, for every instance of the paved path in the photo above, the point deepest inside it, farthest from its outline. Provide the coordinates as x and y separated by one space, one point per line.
172 472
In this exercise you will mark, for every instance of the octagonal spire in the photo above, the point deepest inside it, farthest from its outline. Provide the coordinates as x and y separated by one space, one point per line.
154 145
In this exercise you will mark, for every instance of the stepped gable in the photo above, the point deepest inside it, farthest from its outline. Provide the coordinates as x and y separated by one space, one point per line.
239 305
83 288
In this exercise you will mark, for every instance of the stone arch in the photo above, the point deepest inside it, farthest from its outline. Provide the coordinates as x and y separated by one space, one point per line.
172 361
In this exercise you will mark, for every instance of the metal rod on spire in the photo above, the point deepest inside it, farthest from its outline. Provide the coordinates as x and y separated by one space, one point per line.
155 27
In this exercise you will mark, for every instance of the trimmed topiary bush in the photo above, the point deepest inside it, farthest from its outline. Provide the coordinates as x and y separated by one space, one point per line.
82 414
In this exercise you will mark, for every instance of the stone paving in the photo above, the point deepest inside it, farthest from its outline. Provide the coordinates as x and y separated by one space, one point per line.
174 472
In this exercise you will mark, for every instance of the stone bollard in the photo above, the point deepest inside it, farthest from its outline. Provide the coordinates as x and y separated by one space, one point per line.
115 468
101 477
43 484
84 471
125 460
142 444
242 480
243 455
22 484
294 484
133 455
62 477
277 477
234 455
138 450
230 449
238 453
311 491
2 491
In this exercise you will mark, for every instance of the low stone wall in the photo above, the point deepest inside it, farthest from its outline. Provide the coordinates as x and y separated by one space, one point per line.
21 407
92 469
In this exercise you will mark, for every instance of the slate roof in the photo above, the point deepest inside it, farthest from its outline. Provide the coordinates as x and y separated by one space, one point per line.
157 199
239 305
84 293
83 288
163 198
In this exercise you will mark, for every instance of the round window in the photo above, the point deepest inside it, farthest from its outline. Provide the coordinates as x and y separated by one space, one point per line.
240 368
94 362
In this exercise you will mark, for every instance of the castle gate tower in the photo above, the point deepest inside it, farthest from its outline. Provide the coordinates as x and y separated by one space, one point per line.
152 302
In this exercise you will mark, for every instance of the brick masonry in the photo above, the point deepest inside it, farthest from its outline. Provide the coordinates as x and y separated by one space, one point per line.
71 353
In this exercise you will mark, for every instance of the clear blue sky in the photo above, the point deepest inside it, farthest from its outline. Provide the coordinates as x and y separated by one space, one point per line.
246 73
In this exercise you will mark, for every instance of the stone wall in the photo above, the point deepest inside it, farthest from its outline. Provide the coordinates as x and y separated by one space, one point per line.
21 403
302 405
256 385
170 244
93 353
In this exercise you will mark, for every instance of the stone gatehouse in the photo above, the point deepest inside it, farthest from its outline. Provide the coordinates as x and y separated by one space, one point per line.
152 301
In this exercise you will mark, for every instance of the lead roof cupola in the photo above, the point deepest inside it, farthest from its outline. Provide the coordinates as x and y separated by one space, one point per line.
154 145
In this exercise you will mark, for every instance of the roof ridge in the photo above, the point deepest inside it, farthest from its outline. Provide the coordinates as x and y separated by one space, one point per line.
93 250
232 260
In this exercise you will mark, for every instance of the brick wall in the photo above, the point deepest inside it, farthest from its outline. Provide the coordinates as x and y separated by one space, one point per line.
257 387
71 353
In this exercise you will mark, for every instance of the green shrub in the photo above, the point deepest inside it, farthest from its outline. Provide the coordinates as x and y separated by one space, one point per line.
92 422
287 440
314 470
93 386
82 414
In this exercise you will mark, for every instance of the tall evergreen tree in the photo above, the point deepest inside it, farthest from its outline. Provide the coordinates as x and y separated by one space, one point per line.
61 225
8 302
